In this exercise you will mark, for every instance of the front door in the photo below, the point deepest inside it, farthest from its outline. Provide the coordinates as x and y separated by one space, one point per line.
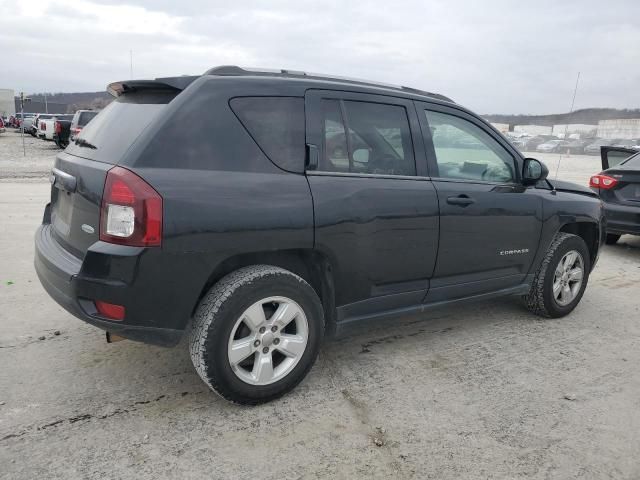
490 224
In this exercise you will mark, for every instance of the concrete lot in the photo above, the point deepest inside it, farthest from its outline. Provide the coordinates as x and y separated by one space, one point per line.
484 391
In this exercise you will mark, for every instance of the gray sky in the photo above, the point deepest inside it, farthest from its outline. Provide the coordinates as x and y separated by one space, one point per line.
493 56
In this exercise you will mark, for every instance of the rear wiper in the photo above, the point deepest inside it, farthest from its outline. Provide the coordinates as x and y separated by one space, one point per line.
81 142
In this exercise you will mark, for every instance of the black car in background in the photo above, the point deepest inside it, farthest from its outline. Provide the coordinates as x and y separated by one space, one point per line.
62 131
301 205
619 188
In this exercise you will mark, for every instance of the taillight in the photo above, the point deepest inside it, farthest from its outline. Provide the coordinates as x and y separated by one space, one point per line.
58 128
131 212
110 310
602 181
43 126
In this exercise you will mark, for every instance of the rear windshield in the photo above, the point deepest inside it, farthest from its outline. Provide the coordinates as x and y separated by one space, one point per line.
110 134
85 117
633 162
277 126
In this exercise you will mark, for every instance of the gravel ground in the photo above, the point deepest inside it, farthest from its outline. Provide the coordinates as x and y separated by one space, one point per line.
483 391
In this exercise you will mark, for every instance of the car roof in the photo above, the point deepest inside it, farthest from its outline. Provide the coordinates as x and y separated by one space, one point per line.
293 76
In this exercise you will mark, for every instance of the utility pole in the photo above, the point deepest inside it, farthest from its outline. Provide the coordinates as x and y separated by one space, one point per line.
46 105
22 100
566 128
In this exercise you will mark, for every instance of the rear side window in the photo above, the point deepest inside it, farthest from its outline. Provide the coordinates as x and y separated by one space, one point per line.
378 139
85 117
634 161
277 126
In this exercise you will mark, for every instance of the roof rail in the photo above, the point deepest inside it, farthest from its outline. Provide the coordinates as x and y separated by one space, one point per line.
234 70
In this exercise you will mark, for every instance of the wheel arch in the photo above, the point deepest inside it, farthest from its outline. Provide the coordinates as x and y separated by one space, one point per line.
314 267
589 232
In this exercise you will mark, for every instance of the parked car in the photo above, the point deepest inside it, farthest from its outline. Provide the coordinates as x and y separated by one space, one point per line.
80 120
46 127
62 131
618 185
552 146
262 239
594 148
576 146
28 121
36 122
531 143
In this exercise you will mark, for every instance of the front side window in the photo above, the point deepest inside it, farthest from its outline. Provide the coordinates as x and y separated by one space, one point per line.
466 152
378 140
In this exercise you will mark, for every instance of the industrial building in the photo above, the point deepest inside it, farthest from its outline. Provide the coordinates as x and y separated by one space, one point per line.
533 129
571 128
41 107
621 128
7 105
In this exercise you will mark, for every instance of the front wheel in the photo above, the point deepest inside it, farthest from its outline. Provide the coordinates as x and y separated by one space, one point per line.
256 334
562 277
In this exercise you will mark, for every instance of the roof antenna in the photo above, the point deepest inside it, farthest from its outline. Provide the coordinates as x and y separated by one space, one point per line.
566 127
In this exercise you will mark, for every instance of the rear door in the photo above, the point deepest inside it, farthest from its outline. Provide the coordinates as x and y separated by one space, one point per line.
613 156
375 210
490 224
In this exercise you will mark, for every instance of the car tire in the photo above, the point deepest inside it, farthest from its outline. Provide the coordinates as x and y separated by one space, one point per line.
543 298
228 319
612 239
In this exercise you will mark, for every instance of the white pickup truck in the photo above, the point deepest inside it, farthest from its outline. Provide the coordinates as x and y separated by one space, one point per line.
46 127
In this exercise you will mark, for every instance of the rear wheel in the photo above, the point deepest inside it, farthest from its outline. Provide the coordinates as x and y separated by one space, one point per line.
256 334
612 238
562 277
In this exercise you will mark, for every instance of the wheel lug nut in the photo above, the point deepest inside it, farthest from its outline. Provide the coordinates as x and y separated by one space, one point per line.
265 350
262 330
276 341
256 343
274 328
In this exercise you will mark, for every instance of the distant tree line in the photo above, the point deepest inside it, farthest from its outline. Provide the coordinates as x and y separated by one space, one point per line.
76 101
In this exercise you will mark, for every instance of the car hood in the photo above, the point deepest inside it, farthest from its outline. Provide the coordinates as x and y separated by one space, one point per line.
563 186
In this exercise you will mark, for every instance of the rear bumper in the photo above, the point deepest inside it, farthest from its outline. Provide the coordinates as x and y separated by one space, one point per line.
622 219
60 274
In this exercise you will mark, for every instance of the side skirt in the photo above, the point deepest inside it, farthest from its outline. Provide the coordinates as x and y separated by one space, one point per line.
343 326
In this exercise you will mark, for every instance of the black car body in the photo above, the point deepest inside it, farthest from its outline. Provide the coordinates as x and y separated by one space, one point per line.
374 221
62 131
619 188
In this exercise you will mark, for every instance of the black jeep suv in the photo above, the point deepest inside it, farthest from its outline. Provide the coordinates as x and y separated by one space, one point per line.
299 205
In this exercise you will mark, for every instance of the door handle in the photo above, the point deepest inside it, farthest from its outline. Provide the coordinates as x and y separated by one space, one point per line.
462 200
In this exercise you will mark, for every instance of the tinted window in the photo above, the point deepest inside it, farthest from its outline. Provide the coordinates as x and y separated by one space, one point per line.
465 151
85 117
277 126
117 126
336 153
633 162
379 140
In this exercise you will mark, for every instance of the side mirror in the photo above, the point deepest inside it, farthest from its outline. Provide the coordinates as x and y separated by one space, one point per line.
361 155
533 171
